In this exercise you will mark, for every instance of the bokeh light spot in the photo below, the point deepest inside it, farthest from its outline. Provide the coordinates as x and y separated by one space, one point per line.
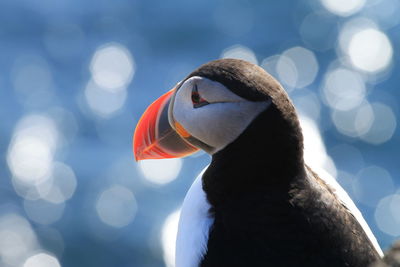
168 237
269 64
30 159
370 50
372 184
354 122
305 67
160 171
287 72
387 215
17 239
31 151
116 206
383 125
43 212
112 67
343 7
350 28
42 260
63 184
240 52
343 89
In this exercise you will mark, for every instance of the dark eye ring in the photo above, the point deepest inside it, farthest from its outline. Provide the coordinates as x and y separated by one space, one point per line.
197 100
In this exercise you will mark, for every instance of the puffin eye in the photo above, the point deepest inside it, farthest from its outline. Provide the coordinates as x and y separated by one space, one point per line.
197 100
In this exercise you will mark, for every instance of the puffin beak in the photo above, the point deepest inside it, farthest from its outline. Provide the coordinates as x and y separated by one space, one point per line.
154 138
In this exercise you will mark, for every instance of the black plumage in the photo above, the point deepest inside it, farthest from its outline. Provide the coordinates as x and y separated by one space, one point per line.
270 209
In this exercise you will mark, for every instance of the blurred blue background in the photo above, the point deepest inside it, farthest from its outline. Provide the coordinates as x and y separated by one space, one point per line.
75 76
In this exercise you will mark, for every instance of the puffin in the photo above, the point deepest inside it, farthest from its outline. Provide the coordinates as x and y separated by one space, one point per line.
257 203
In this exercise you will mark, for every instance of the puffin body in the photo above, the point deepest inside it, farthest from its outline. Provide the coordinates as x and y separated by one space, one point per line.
257 203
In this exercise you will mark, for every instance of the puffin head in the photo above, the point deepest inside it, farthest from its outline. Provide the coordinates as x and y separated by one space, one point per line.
212 108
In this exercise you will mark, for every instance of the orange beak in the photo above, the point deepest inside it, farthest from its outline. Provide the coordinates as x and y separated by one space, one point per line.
154 138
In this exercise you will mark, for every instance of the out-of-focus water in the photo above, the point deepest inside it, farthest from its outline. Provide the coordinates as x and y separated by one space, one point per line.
75 76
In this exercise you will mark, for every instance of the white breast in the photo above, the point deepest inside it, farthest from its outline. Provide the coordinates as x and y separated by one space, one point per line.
193 228
346 200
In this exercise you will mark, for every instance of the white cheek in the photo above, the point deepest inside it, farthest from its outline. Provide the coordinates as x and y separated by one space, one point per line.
216 124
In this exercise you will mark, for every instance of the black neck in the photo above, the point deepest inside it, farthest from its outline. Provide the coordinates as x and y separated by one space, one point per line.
266 156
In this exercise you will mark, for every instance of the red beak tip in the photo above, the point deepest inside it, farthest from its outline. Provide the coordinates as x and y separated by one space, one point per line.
151 143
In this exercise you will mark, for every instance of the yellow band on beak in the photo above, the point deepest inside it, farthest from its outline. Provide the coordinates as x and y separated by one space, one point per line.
181 131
